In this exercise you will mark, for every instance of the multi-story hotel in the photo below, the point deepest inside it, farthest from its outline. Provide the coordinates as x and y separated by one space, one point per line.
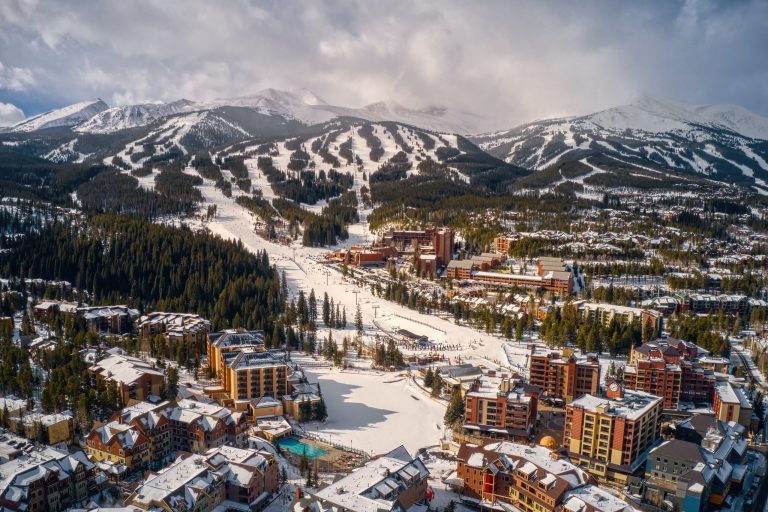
228 341
251 374
496 406
510 476
610 437
671 369
563 374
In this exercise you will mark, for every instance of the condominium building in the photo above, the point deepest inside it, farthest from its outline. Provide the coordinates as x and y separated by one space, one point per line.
708 466
731 404
551 273
501 244
391 483
228 341
610 436
109 319
135 378
671 369
656 377
224 478
510 476
46 480
625 315
146 435
460 269
57 427
176 327
499 407
252 373
563 374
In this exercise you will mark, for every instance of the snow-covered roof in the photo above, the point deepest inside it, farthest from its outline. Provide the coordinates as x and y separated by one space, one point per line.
577 500
633 406
377 484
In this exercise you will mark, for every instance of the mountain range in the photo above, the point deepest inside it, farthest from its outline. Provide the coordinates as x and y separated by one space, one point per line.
655 142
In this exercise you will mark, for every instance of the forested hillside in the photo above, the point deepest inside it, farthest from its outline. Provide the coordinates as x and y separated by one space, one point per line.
123 260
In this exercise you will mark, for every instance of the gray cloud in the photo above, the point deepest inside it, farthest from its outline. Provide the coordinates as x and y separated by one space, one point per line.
508 61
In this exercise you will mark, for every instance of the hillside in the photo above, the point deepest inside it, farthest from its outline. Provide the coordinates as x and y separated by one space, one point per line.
723 143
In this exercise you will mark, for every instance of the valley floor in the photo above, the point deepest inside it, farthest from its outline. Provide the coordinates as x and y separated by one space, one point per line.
363 408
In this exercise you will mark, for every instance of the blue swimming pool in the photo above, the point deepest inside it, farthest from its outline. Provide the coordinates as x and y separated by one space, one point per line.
299 447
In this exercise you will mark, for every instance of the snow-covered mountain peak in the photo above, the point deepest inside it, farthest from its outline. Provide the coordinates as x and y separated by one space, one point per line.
724 142
736 118
70 115
655 115
131 116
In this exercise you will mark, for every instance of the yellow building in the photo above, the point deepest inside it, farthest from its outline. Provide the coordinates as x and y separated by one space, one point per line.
58 427
118 444
230 341
610 436
249 374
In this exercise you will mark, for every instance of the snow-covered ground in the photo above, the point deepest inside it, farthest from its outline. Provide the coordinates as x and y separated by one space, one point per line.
364 409
376 411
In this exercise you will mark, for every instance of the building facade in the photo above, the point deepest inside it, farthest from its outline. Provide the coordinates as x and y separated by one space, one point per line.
225 477
45 480
563 374
610 436
670 368
510 476
497 406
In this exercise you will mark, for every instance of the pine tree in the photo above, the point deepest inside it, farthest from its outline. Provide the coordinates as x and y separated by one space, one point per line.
312 306
455 410
320 410
303 462
283 289
326 310
437 384
171 383
359 320
428 378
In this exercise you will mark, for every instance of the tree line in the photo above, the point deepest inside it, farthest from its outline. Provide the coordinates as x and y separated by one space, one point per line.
125 260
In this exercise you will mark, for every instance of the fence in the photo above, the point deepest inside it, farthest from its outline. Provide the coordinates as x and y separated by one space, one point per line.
314 436
420 322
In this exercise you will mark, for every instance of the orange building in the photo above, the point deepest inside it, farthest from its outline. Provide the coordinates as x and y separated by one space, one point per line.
670 368
499 407
563 374
510 476
656 377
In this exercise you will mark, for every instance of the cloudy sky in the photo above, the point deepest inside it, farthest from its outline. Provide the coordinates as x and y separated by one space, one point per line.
508 61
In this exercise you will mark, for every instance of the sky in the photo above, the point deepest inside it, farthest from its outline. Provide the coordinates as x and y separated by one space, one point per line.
510 62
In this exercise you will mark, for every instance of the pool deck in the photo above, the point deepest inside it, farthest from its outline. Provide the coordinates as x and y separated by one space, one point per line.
332 461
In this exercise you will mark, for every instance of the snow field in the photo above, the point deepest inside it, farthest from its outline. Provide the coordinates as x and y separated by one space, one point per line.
377 411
